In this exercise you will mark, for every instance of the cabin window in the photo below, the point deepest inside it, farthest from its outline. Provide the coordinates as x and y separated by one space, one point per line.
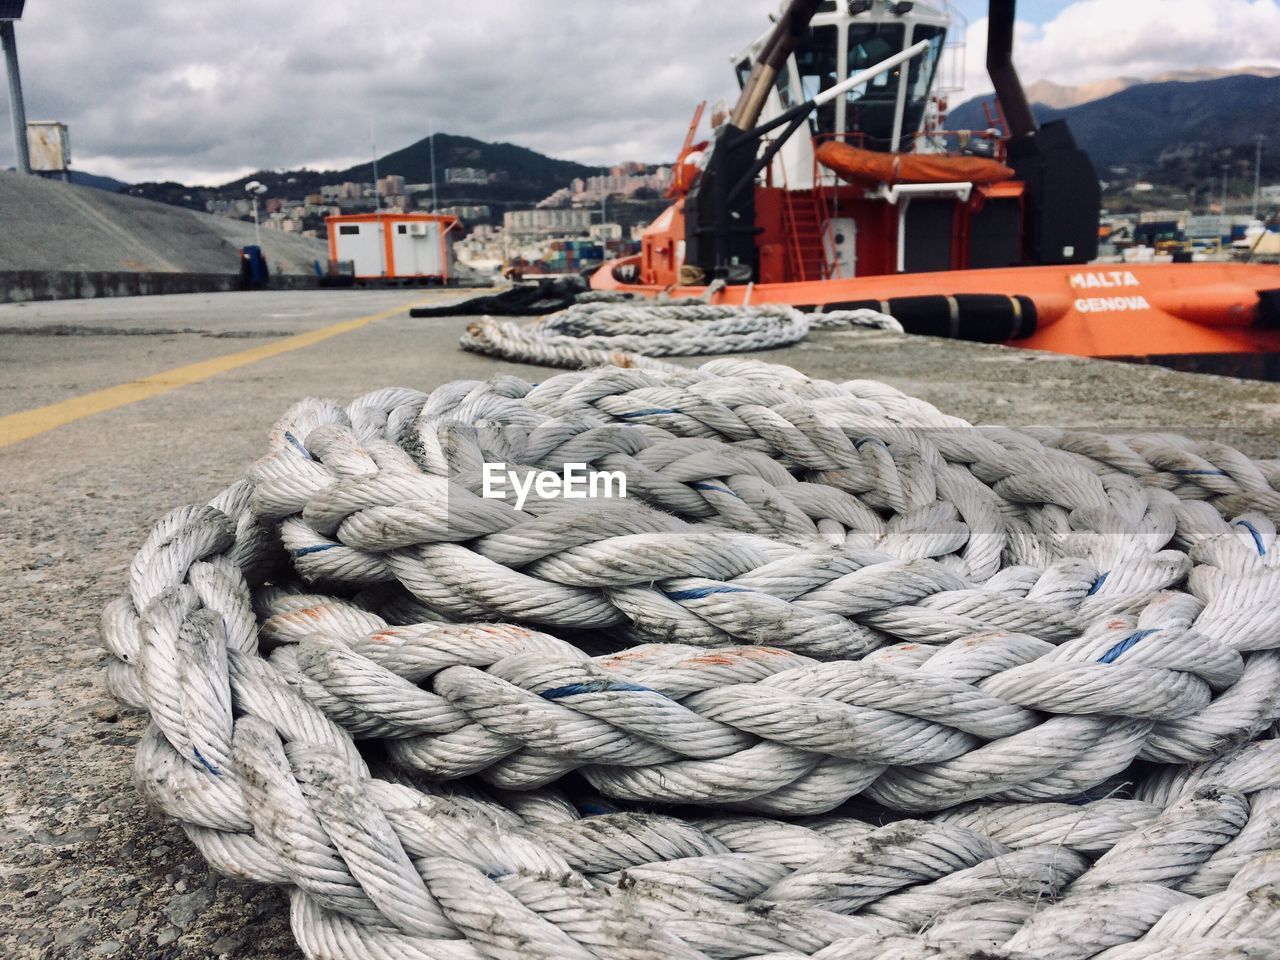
920 77
348 229
402 228
783 86
819 66
871 107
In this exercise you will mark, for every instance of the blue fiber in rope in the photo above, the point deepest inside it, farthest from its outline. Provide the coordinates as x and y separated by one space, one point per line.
1202 473
699 592
205 763
1128 643
1097 584
652 411
303 551
860 441
301 449
1257 537
591 686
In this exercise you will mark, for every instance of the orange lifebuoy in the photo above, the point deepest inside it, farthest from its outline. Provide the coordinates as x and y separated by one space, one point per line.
866 166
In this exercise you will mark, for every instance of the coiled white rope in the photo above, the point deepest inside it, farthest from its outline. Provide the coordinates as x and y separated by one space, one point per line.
632 333
1041 665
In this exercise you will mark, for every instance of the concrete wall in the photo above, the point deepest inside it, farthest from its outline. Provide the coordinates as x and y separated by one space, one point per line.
19 286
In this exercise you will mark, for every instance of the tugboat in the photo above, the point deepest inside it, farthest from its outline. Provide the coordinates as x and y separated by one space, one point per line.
833 185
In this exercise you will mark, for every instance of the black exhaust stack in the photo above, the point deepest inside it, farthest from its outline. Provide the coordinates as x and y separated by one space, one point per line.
1004 76
1063 198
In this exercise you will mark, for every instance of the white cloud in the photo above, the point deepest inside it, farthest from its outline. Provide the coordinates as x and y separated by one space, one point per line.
199 92
156 89
1093 40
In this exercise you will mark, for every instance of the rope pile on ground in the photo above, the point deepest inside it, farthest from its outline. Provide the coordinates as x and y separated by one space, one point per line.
840 677
599 331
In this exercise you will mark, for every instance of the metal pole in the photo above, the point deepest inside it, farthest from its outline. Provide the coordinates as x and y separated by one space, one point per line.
1257 174
431 136
1226 169
17 111
373 152
257 229
377 206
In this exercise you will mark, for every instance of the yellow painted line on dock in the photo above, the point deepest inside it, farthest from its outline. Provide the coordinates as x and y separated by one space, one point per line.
16 427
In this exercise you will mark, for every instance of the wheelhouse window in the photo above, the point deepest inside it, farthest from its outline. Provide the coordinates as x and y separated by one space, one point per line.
348 229
870 108
818 63
920 77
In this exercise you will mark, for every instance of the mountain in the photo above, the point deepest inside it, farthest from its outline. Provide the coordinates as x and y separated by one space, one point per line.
520 171
515 174
1141 124
110 184
1061 97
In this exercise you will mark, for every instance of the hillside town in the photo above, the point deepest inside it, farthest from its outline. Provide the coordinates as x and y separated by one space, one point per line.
567 230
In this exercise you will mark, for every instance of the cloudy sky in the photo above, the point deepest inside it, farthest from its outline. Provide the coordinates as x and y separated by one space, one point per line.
203 92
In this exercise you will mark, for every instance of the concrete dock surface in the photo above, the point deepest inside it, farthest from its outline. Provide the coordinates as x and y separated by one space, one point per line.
113 412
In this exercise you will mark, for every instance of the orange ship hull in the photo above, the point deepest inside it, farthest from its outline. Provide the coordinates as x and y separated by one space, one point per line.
1096 310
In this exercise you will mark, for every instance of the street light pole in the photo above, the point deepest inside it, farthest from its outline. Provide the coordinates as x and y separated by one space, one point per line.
256 188
1257 174
1226 169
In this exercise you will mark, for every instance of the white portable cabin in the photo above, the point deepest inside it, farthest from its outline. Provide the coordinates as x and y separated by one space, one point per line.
394 246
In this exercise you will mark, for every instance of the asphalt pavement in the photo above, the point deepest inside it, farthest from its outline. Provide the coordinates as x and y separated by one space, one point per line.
127 408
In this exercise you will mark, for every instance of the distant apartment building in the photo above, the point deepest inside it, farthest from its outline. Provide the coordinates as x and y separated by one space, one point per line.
561 198
545 222
471 175
619 181
351 191
605 231
392 185
469 213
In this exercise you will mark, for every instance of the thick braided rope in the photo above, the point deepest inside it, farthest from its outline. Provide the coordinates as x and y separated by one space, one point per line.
1040 665
631 333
